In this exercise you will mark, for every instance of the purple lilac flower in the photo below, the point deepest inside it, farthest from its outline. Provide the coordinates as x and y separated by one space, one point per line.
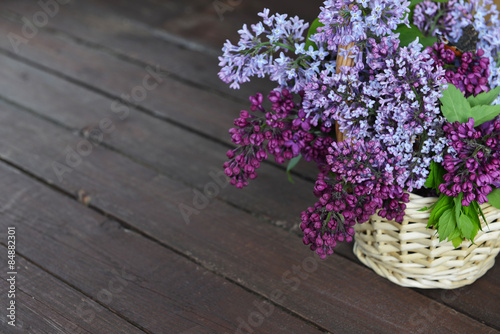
348 21
276 132
473 166
275 48
435 18
395 101
469 72
317 150
362 182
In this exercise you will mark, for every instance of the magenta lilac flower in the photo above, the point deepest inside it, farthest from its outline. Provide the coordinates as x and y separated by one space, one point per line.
450 18
279 132
361 182
484 16
388 106
468 72
473 166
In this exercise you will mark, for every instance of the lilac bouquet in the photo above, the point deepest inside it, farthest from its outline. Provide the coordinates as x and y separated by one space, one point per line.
417 109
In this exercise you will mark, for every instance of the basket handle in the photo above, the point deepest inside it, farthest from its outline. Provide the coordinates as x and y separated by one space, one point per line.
343 61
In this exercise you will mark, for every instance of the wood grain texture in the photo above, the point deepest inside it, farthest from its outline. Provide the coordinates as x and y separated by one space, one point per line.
193 20
44 304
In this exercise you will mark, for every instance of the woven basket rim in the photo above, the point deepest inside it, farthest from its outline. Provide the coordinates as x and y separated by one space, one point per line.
410 254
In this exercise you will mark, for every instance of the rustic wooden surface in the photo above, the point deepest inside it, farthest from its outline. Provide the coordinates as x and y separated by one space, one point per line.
105 249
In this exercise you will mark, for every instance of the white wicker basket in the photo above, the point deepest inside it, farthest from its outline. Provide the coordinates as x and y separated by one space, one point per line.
409 254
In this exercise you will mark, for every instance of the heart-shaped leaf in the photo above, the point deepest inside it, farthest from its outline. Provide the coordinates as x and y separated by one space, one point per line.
455 106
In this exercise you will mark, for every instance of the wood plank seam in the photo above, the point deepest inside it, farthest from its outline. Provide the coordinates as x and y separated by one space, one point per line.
14 17
145 110
109 147
100 223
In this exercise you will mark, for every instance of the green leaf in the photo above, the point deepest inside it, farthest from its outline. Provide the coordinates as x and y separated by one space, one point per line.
447 224
478 209
328 217
313 29
458 205
435 177
466 226
441 206
483 114
457 241
439 172
485 98
473 215
291 164
429 183
415 2
408 35
455 106
455 234
494 197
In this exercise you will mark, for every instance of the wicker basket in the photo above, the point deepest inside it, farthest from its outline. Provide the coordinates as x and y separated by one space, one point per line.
409 254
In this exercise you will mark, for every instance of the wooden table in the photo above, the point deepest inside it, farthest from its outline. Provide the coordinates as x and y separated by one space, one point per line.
113 123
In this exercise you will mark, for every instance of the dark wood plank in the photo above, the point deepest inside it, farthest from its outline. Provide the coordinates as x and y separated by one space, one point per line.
142 281
170 98
476 299
263 258
207 22
46 305
194 20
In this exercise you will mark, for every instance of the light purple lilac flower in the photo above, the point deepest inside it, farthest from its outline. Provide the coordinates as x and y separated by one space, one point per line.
346 21
394 101
274 48
435 18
